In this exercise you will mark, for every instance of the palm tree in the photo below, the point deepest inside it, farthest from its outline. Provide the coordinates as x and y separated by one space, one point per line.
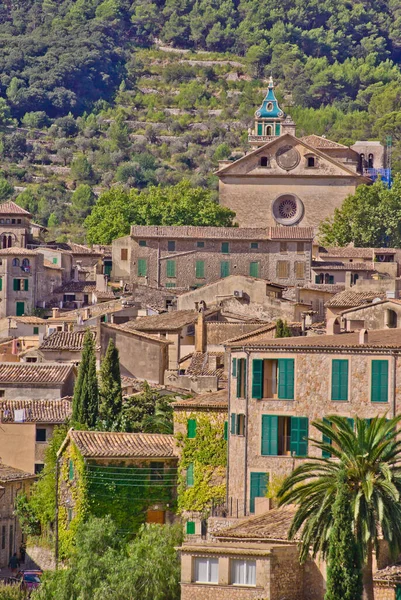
369 455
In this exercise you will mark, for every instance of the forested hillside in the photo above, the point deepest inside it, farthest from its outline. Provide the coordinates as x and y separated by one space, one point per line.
145 93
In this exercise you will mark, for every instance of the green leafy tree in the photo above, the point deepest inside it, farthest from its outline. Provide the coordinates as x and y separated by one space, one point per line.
5 113
6 190
81 169
344 567
368 457
110 394
147 412
85 402
82 201
35 119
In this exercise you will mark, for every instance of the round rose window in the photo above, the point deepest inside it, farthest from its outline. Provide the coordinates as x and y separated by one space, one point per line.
288 209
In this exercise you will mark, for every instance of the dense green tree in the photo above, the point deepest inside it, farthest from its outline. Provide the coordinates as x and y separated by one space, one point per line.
282 329
85 402
148 412
6 189
344 566
369 218
110 393
368 456
82 201
81 170
35 119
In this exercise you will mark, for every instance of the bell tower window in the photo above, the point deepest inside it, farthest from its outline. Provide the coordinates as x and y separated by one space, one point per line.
264 161
269 130
311 161
370 161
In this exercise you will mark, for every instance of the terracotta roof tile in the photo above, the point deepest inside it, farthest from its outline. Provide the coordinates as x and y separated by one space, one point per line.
251 334
135 332
342 266
348 299
17 252
11 208
389 575
37 411
34 373
66 340
224 233
292 233
217 400
10 474
76 286
29 320
200 364
318 141
169 321
107 295
104 444
347 251
81 249
272 525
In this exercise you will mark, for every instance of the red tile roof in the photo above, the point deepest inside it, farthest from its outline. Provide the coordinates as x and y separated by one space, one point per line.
37 411
318 141
340 266
272 525
11 474
106 444
216 400
66 340
17 252
34 373
292 233
11 208
224 233
348 299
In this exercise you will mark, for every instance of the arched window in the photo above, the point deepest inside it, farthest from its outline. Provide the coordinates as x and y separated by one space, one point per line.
354 278
391 319
370 161
269 130
327 278
10 241
4 241
311 161
15 262
263 161
25 262
362 162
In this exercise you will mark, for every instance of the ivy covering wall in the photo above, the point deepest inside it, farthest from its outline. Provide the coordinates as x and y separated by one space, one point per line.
207 452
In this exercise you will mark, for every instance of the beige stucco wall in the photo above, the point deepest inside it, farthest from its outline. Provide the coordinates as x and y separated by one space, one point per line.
17 445
121 268
374 317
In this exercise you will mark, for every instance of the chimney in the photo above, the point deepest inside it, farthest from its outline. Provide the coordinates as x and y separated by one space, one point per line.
87 313
363 337
200 333
56 313
212 362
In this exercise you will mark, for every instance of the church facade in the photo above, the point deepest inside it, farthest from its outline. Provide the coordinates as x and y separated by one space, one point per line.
290 181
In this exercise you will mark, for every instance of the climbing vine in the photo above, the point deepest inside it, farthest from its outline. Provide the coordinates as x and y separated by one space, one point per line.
207 452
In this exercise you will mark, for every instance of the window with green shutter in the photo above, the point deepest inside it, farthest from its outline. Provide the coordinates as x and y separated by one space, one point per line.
26 284
299 435
269 435
379 390
241 378
226 430
170 268
260 129
170 284
339 379
1 284
190 475
257 378
224 268
234 369
142 267
36 331
16 285
191 428
254 269
286 378
70 470
233 423
225 248
54 261
258 488
200 269
20 309
351 422
190 527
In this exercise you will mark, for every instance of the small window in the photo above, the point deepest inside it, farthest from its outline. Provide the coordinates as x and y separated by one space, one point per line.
36 331
170 284
200 269
311 161
142 267
39 468
190 475
225 248
243 572
254 269
16 262
263 161
224 268
283 247
240 424
19 221
13 221
171 268
190 527
55 260
2 221
200 244
206 570
142 243
40 435
124 253
254 245
299 270
8 221
300 247
70 470
171 246
191 428
283 269
2 393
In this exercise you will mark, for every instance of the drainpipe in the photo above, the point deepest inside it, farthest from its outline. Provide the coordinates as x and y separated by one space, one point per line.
246 428
158 263
393 387
56 551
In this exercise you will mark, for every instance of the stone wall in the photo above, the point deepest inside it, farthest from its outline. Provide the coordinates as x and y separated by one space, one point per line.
383 592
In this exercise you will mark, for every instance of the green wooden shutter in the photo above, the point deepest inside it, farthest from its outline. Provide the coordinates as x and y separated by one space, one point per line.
260 129
379 391
1 284
190 475
170 268
190 527
225 247
257 378
269 435
339 379
240 375
191 428
254 269
16 285
20 309
226 430
350 422
26 284
70 470
258 488
398 592
234 370
200 269
326 440
224 268
299 434
142 267
233 423
286 378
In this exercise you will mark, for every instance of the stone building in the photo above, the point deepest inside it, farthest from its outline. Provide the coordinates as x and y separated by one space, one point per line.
189 257
64 347
278 387
379 314
26 429
290 181
25 381
22 327
12 482
348 299
387 583
15 226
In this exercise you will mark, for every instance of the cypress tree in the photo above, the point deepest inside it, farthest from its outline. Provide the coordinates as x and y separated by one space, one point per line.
110 392
85 403
344 565
279 328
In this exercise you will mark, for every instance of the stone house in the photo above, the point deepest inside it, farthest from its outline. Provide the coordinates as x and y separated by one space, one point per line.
189 257
277 387
26 428
64 347
89 460
25 327
15 226
25 381
379 314
22 281
12 482
348 299
351 254
77 294
387 583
